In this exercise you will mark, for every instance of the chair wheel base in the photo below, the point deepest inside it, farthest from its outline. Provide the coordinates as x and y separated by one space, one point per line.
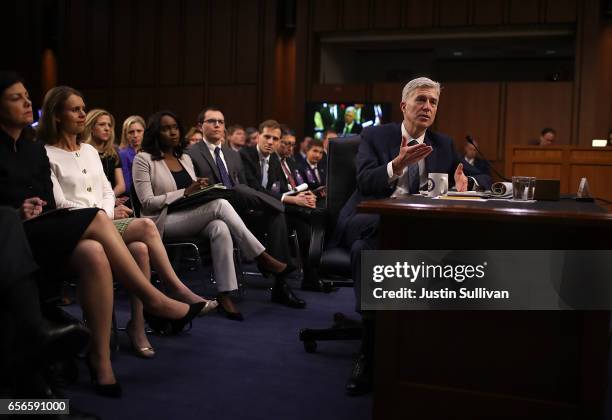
310 346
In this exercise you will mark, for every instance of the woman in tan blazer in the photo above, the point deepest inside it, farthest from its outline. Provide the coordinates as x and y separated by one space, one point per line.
163 174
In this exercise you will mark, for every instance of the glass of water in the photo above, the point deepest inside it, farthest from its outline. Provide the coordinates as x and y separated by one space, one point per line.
523 188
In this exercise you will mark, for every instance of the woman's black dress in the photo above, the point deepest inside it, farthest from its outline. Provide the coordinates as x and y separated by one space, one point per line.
25 173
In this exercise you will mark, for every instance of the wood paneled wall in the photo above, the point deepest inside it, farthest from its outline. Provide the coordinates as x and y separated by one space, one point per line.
359 15
21 45
139 56
496 113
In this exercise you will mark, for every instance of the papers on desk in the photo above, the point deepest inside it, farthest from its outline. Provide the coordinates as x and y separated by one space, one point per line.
460 198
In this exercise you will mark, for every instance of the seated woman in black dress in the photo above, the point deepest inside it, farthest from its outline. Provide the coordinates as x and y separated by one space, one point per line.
83 241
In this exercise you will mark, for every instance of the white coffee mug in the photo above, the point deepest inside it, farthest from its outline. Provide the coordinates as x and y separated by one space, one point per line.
437 184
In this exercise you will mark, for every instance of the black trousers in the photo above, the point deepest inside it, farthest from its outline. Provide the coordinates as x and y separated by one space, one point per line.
15 254
20 316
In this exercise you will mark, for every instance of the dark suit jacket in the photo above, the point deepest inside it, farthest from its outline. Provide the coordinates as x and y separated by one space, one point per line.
380 145
309 176
206 167
482 166
294 168
355 129
277 183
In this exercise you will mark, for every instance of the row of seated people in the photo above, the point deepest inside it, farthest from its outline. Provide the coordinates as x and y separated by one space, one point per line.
57 185
304 163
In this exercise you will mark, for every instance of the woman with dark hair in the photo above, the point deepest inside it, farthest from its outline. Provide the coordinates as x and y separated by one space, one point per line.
81 241
163 174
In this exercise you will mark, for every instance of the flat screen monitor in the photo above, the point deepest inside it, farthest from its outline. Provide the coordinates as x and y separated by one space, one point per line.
344 118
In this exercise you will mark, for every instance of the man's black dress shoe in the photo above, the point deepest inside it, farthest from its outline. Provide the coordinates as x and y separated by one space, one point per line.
318 286
282 293
360 382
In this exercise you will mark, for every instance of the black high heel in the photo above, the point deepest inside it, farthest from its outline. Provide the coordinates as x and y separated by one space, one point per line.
234 316
173 326
106 390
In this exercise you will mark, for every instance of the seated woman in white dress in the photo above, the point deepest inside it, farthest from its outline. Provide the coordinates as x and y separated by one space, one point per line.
79 181
162 174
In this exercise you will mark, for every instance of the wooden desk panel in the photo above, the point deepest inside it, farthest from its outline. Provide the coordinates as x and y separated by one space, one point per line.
565 163
490 364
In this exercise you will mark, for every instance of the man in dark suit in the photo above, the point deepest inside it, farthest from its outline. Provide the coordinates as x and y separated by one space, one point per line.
471 157
263 169
311 170
221 164
395 159
276 174
299 217
349 125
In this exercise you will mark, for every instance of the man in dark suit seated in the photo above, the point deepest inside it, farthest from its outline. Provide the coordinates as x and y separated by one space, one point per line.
270 169
221 164
472 158
393 160
311 170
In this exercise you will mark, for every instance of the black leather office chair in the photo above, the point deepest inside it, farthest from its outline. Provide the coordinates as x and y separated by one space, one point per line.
335 263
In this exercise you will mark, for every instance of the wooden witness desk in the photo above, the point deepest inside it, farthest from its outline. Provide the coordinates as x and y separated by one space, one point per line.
565 163
490 364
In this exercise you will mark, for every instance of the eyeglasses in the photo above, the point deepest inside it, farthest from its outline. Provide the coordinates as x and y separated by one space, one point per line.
287 143
212 121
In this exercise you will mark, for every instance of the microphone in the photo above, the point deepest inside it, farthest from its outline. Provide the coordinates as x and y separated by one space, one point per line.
471 141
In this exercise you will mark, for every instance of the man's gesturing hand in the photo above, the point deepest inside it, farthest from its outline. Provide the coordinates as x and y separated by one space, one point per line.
408 155
461 181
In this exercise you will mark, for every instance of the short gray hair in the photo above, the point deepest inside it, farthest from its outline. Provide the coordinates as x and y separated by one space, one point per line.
419 82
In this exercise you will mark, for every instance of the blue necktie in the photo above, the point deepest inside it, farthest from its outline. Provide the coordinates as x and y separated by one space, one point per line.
225 178
413 176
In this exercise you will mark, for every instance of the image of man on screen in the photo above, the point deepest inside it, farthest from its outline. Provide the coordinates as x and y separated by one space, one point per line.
350 125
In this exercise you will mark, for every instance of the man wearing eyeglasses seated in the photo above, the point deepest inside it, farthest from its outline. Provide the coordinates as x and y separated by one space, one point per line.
221 164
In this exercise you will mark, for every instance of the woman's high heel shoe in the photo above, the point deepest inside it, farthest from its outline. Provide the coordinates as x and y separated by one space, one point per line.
222 298
106 390
144 352
173 326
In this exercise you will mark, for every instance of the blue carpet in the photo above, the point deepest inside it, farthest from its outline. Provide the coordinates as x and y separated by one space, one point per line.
223 369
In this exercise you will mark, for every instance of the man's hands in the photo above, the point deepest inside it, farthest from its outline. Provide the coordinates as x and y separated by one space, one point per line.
31 207
408 155
461 181
196 186
303 199
122 212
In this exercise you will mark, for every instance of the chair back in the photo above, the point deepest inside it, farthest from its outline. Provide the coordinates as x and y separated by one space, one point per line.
341 173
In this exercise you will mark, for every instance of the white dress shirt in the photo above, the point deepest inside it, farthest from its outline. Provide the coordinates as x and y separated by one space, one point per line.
403 184
79 180
211 149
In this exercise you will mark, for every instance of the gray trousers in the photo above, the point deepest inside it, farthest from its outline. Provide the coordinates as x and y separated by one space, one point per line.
218 222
